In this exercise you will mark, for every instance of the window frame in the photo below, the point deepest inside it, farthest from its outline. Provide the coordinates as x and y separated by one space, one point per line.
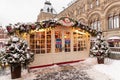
114 23
95 24
97 2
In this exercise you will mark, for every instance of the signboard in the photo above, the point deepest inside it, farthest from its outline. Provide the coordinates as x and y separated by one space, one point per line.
65 21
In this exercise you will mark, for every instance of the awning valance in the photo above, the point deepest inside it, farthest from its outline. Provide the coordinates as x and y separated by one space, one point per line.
114 39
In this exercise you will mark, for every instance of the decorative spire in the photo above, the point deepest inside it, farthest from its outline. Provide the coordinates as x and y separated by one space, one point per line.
48 8
47 2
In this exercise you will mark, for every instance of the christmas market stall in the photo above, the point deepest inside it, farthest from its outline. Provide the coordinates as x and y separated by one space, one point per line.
59 42
49 42
55 41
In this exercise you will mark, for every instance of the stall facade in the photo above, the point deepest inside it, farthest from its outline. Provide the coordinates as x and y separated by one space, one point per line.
62 44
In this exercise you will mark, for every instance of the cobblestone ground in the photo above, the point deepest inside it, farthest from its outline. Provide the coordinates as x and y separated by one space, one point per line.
75 71
65 72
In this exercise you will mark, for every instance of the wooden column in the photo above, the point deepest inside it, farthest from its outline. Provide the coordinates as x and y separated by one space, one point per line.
52 41
71 42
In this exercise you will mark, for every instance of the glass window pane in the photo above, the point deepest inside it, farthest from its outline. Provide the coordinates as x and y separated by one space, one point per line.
48 41
67 41
110 22
116 22
42 42
97 2
95 25
92 26
58 41
79 41
99 28
80 38
75 45
91 5
37 42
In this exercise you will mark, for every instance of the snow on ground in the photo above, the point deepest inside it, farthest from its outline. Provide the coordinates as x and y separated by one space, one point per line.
112 69
85 70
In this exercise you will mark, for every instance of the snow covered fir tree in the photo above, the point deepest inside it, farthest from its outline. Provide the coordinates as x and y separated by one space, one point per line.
17 55
100 48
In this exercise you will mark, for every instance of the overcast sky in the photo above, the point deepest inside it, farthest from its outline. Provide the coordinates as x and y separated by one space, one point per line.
13 11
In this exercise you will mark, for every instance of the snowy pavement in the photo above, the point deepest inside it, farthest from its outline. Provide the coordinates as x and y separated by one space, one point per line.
85 70
112 69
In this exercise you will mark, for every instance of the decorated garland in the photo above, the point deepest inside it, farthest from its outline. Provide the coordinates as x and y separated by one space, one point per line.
20 28
65 21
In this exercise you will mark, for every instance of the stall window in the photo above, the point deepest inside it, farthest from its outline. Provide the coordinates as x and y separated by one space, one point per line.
37 42
58 41
48 41
32 43
67 41
79 41
75 41
40 42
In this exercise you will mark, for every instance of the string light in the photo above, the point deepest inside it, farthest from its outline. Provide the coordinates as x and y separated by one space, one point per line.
48 25
77 31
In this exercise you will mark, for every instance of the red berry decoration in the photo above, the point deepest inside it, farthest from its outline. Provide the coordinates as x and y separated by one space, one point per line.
33 27
9 29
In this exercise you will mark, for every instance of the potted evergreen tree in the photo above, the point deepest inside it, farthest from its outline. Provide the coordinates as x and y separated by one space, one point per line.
16 54
100 49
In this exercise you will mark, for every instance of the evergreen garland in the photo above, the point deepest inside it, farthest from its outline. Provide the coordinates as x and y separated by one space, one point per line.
28 27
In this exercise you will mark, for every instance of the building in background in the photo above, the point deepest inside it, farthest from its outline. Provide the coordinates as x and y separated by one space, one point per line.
48 12
3 37
64 44
102 15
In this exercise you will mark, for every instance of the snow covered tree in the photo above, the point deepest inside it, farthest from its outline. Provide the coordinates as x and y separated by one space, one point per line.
17 54
100 48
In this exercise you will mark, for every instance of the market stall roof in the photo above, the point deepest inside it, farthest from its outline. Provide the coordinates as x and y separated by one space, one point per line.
114 39
49 24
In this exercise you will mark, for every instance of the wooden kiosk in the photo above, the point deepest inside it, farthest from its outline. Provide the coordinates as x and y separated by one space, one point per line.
62 44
